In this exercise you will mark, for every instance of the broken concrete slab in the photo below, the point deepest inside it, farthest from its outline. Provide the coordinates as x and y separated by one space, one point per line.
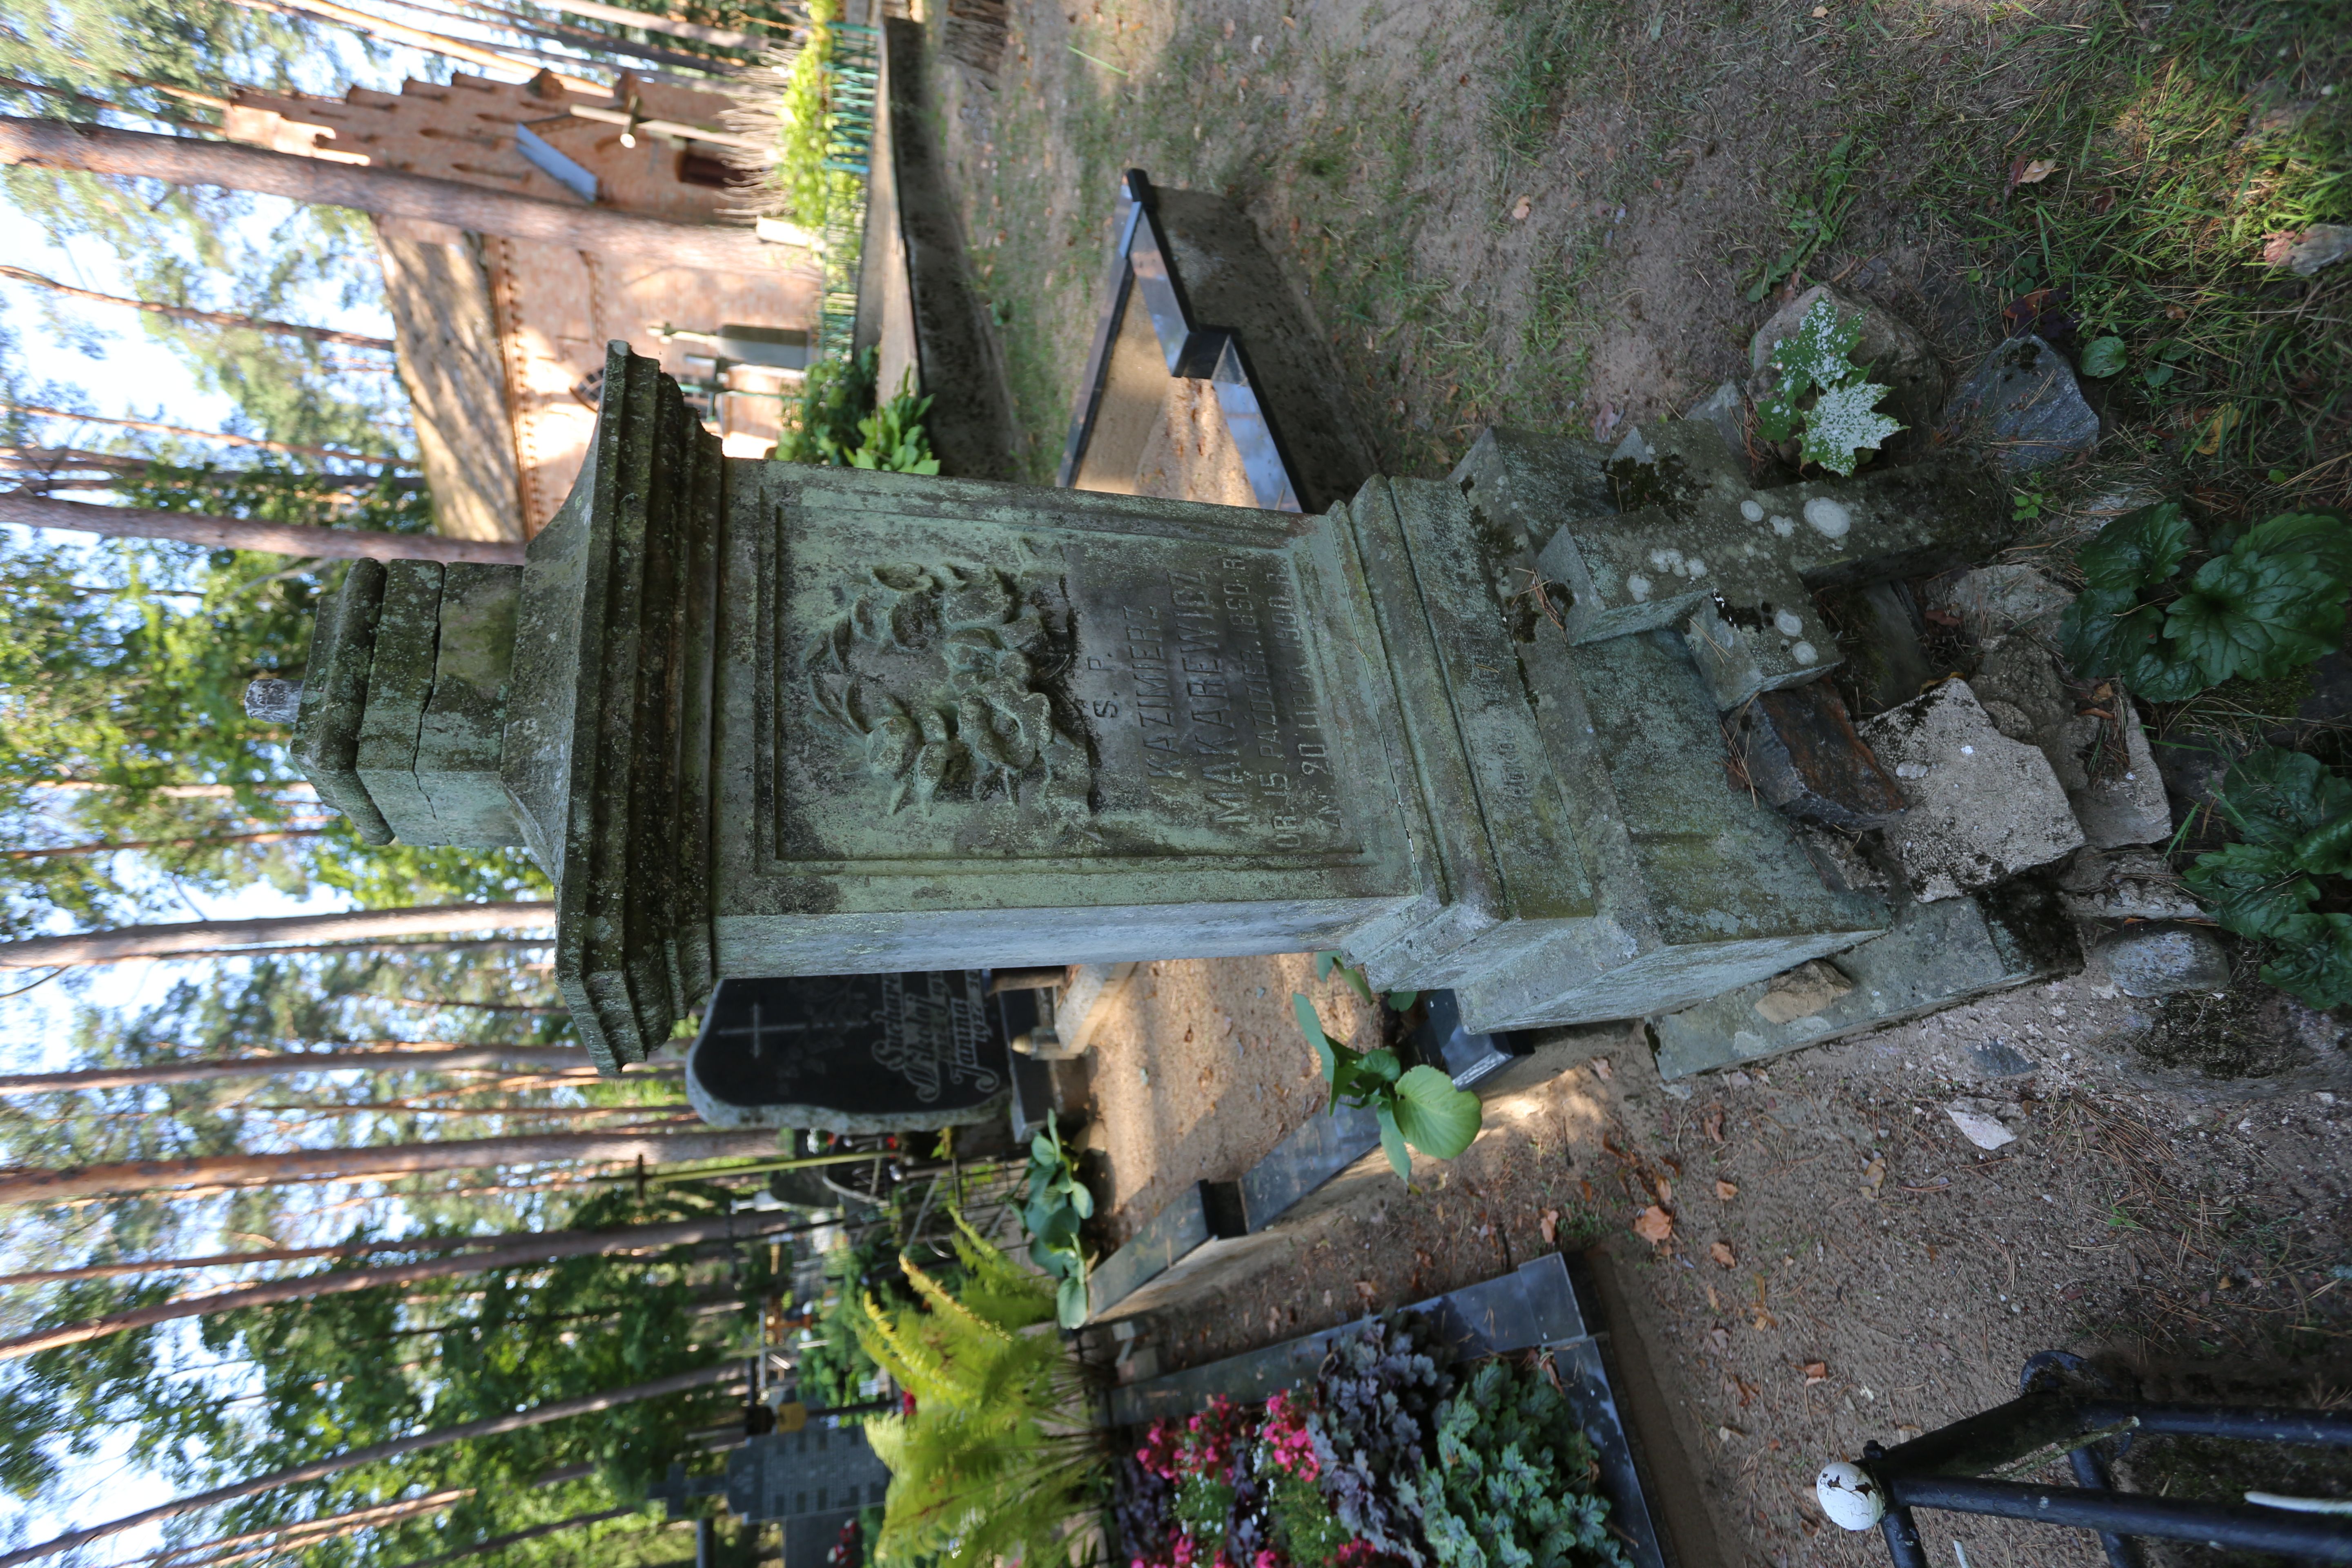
2118 809
1726 408
2024 406
1891 351
1939 955
1801 992
2101 755
1733 569
2164 960
1984 807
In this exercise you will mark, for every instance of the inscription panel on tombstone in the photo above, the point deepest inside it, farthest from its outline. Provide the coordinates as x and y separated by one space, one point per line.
853 1053
968 689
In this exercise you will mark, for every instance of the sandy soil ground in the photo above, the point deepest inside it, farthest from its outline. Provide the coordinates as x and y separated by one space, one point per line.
1198 1068
1844 1264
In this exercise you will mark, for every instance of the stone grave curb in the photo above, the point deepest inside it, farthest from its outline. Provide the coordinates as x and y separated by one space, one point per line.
1540 1305
1939 954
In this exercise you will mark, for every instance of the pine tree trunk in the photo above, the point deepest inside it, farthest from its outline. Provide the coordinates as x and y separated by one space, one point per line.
298 1474
560 1058
390 192
529 1249
246 533
342 1249
208 318
194 939
306 1532
222 1172
515 1537
270 836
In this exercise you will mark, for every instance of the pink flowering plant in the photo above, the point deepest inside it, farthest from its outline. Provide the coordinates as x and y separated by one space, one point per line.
1381 1463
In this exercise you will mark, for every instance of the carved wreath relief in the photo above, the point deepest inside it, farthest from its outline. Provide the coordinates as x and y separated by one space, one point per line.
936 672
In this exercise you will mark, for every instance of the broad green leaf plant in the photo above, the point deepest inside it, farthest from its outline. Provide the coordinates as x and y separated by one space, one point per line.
1059 1205
2293 820
2269 603
1418 1108
1816 361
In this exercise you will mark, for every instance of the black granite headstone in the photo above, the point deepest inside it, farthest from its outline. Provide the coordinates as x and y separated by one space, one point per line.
850 1053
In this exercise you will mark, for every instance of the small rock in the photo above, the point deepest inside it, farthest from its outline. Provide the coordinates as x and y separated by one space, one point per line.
1891 351
2322 245
2127 884
1993 601
2024 405
2164 960
1978 1126
1726 408
1802 992
2118 809
1983 806
1999 1058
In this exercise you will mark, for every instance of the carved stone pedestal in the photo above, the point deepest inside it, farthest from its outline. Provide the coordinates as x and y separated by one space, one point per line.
765 718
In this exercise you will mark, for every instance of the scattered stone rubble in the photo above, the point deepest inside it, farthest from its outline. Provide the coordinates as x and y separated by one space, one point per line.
2012 812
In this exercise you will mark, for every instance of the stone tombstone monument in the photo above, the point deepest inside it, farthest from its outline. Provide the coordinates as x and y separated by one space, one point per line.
850 1053
761 719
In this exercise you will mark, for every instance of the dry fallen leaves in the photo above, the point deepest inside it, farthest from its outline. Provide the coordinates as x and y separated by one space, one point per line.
1712 1124
1654 1226
1721 1252
1665 1189
1874 1176
1549 1224
1713 1299
1602 1069
1720 1339
1816 1372
1766 1321
1725 1190
2039 169
1365 1288
1519 213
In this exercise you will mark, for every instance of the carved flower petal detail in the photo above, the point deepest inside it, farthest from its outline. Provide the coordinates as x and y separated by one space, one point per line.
939 767
892 744
1027 633
904 579
1035 711
970 651
982 600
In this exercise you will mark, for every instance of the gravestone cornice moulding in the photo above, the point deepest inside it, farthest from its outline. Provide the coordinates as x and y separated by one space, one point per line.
771 720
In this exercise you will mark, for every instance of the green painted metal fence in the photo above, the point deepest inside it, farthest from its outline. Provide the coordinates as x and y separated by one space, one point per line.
853 82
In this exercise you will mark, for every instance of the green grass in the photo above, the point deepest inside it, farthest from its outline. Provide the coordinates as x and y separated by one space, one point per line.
2181 148
1551 47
